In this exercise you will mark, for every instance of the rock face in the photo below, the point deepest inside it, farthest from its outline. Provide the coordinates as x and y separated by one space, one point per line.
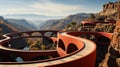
110 5
112 58
109 10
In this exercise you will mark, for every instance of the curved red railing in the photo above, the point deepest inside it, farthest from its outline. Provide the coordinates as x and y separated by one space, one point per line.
26 54
73 50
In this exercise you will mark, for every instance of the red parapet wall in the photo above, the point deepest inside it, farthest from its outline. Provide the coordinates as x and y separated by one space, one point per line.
97 34
88 58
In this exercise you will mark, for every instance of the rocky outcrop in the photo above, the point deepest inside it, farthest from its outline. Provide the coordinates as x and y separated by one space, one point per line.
109 10
112 58
110 5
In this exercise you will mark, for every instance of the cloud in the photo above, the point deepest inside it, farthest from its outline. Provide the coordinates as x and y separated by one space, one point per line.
50 7
41 7
55 8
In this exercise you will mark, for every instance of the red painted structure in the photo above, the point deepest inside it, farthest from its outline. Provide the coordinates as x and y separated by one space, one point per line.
71 49
92 23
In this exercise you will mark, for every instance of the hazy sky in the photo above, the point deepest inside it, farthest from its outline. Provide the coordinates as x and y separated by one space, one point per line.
51 7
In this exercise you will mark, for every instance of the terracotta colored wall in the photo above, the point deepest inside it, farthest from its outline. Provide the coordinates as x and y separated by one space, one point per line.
87 61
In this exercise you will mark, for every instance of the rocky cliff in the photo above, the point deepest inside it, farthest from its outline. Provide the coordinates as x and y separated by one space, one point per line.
109 10
112 57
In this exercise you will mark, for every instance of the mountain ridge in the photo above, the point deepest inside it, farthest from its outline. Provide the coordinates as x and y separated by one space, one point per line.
61 24
31 17
5 27
22 23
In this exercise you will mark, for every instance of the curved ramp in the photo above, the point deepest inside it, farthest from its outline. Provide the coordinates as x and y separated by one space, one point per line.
65 61
83 57
80 57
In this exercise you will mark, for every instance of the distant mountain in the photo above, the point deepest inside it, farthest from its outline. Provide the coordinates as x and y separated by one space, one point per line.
22 24
8 27
61 24
36 23
46 25
19 27
31 17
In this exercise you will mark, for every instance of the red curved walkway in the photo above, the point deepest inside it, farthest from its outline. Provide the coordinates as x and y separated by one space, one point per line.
84 57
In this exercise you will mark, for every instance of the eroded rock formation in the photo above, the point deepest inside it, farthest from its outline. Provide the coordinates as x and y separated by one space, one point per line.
109 11
112 58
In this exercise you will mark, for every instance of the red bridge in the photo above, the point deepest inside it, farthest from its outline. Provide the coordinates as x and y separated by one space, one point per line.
72 50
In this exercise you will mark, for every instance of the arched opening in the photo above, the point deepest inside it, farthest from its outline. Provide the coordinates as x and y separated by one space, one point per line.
25 35
47 41
61 44
55 43
48 34
71 48
49 44
36 34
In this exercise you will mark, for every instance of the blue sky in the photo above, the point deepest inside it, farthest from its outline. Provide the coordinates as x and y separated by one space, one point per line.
51 7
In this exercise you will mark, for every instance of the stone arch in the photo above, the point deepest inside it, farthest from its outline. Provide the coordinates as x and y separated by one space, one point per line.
47 41
36 34
25 35
48 34
61 44
71 48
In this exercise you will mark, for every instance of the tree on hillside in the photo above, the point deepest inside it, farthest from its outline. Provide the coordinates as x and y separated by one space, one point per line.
68 27
71 26
92 17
